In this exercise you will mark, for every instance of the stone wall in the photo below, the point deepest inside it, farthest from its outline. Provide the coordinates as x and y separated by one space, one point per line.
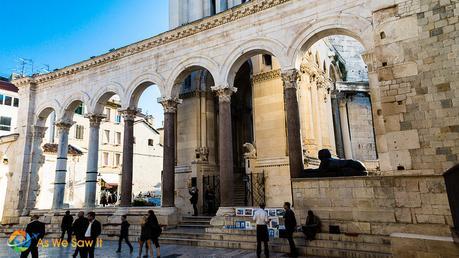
361 127
416 47
375 204
350 50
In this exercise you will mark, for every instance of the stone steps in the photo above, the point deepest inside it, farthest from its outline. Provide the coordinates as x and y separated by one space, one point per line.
195 234
195 222
276 247
328 245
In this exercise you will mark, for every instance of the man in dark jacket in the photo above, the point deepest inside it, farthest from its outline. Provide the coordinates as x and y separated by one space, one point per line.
194 200
290 225
124 234
36 230
79 228
91 234
66 226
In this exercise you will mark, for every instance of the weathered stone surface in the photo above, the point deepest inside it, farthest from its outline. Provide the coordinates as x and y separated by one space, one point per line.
378 205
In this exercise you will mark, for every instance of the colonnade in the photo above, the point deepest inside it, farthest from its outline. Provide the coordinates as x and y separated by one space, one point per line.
224 93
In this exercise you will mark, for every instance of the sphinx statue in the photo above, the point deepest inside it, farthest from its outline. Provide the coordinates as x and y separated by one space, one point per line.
330 167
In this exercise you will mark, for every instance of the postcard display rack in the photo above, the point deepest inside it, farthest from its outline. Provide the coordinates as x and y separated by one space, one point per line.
246 220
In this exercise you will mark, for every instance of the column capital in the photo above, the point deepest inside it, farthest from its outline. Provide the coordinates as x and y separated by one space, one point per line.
95 119
64 125
39 131
224 92
129 114
169 104
290 78
369 59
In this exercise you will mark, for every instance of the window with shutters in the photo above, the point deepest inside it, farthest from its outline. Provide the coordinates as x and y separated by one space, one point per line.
79 132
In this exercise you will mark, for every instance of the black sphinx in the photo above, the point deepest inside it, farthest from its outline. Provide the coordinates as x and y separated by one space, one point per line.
330 167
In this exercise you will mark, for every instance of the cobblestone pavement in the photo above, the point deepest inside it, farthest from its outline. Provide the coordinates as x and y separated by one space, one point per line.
109 248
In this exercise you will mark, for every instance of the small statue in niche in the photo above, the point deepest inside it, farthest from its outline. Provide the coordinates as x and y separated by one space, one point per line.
250 151
330 167
202 154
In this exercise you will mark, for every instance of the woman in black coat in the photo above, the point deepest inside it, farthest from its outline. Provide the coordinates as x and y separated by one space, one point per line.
150 231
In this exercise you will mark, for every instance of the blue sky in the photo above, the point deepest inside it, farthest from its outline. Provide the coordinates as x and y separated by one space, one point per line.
59 33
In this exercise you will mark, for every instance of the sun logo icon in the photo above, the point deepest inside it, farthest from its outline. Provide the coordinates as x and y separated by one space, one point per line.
19 241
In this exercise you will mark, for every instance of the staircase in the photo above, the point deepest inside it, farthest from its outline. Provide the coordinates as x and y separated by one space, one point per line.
195 222
326 245
196 231
238 191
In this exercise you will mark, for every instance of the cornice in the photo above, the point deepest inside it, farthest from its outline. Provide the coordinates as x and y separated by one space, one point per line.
204 24
271 75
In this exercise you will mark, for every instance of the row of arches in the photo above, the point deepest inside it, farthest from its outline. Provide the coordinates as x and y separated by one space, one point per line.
217 74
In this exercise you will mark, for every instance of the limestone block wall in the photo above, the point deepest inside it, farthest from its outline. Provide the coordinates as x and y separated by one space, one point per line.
187 130
376 205
361 128
270 136
416 48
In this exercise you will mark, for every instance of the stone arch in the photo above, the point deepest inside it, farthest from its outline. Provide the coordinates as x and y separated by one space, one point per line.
250 48
135 89
103 95
43 114
338 24
182 70
70 104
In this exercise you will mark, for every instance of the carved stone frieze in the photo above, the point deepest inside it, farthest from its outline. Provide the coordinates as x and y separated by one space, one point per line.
271 75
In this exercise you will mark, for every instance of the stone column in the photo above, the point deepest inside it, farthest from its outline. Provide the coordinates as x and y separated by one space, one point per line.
290 78
168 176
344 121
38 134
316 113
225 145
128 156
93 160
63 128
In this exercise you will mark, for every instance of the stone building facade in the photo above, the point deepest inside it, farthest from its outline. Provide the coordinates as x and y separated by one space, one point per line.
410 51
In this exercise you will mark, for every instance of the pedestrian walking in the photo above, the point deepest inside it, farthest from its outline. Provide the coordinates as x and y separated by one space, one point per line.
66 226
290 225
145 235
156 231
91 234
36 230
261 220
124 234
79 228
194 199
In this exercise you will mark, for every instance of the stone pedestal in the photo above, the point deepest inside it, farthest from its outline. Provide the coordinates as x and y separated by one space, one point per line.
223 217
